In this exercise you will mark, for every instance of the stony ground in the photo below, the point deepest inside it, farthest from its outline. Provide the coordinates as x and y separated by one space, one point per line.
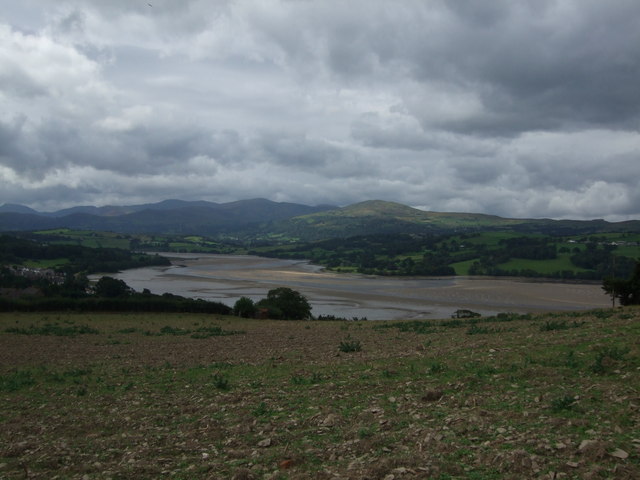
185 396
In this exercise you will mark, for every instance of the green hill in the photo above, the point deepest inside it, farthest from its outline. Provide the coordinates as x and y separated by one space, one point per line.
262 219
381 217
375 217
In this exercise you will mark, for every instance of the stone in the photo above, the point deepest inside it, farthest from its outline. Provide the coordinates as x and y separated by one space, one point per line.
264 443
585 443
330 420
432 396
619 453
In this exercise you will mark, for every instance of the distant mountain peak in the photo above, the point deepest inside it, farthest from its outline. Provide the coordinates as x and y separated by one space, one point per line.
16 208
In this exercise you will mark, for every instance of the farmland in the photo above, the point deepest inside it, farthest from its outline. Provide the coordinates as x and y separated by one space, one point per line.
206 396
581 257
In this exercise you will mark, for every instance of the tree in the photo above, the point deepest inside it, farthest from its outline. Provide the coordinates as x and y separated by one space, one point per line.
244 307
112 287
626 291
287 304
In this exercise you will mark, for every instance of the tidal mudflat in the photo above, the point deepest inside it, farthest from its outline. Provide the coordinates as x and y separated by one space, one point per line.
226 278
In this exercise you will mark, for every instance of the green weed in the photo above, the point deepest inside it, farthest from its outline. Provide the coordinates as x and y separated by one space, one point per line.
261 410
54 329
350 345
570 360
415 326
551 325
437 367
221 382
564 403
478 330
606 358
16 381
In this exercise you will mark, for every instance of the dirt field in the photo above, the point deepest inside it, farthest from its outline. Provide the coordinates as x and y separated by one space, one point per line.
99 396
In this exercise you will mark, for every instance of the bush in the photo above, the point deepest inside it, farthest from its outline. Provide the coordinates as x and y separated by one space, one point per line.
221 382
566 402
550 325
349 345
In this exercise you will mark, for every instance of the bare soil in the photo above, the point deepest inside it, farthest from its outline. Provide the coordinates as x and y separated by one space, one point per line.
546 396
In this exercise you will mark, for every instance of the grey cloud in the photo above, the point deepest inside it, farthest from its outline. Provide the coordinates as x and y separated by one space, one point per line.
536 70
526 108
533 65
18 82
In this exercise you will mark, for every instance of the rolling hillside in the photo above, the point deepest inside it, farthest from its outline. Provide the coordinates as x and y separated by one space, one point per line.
264 219
380 217
168 217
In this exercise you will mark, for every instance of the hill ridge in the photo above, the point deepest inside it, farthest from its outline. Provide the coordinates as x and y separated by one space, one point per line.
262 219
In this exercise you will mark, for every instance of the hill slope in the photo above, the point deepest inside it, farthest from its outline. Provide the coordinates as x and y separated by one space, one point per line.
380 217
169 216
260 218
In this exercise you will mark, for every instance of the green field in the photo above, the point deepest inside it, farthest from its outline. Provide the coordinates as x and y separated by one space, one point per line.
50 263
559 264
87 238
462 268
388 254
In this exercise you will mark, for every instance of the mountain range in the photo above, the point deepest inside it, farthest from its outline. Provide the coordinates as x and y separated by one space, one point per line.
257 218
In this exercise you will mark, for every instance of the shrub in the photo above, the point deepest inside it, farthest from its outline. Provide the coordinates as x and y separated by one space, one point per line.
477 330
350 345
566 402
606 358
54 329
221 382
437 367
550 325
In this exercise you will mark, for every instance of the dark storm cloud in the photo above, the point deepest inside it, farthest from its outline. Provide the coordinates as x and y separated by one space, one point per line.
531 65
527 108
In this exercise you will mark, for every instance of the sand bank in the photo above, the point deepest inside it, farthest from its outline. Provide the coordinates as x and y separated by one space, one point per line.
228 277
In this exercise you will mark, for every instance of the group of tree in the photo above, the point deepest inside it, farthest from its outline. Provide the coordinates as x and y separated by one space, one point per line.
408 254
381 254
108 294
74 258
626 291
281 303
112 294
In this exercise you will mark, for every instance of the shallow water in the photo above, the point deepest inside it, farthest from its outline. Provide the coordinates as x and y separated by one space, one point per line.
226 278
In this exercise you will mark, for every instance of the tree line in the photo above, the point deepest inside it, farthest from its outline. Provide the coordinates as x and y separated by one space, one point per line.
76 258
434 255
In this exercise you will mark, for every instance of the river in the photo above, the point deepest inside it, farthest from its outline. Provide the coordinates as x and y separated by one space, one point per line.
226 278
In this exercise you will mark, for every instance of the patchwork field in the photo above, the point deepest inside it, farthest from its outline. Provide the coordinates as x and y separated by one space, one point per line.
193 396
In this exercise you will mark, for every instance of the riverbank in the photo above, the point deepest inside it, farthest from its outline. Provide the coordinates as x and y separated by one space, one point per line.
226 278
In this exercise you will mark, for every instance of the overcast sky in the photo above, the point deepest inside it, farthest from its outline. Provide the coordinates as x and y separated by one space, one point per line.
520 108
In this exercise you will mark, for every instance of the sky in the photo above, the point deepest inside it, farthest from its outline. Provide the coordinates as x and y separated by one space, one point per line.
518 108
